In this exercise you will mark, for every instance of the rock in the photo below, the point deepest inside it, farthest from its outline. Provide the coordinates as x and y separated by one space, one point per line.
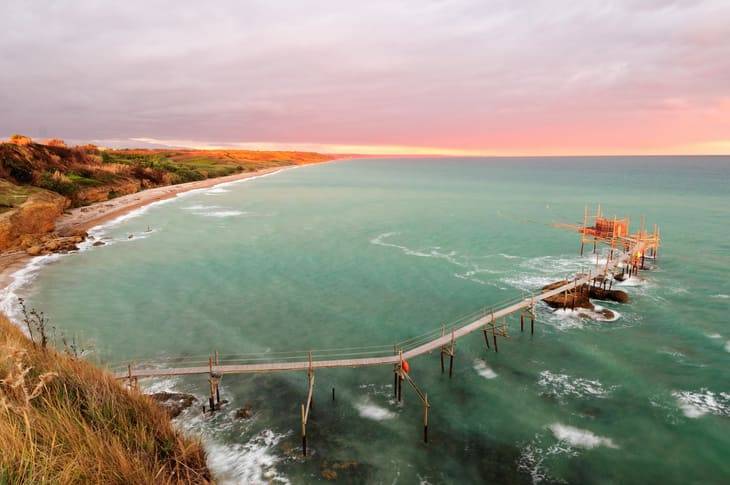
334 469
619 296
34 250
99 243
581 297
607 314
130 236
173 402
246 412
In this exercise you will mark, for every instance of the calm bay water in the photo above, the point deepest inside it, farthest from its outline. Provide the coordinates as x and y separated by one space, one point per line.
370 252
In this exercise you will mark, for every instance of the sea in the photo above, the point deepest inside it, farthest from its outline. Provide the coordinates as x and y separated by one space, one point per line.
371 252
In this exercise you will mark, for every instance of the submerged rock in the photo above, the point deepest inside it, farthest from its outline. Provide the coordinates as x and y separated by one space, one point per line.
173 402
99 243
333 470
246 412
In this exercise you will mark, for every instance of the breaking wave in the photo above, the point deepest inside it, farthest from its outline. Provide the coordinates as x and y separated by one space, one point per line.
368 410
471 269
481 367
564 385
696 404
580 438
251 462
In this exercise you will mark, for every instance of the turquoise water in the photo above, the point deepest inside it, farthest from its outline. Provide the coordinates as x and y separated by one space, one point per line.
370 252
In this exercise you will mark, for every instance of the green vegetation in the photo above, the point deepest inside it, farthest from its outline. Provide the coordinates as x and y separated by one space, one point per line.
12 195
86 174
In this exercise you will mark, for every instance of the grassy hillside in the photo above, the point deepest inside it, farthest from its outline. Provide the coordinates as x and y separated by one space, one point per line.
86 174
64 421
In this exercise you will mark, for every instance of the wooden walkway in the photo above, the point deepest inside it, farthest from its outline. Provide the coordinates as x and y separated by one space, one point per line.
486 319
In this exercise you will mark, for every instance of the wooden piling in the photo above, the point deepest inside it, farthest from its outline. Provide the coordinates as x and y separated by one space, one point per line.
451 365
304 432
425 418
333 394
522 323
486 337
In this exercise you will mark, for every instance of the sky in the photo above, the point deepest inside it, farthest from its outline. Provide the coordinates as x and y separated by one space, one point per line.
453 77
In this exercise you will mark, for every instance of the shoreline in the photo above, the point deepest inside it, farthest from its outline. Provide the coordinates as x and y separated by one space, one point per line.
88 217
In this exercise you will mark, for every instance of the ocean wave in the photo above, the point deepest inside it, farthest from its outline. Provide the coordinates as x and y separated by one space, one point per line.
201 207
20 280
453 257
481 368
368 410
216 191
534 455
222 213
697 404
721 296
564 385
580 438
251 462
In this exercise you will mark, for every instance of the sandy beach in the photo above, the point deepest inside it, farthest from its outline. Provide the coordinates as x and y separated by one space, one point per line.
87 217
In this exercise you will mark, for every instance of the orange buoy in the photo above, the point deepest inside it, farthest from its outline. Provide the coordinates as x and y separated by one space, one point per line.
406 367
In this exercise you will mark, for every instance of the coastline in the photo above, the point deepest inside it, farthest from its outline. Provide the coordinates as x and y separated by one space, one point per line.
91 216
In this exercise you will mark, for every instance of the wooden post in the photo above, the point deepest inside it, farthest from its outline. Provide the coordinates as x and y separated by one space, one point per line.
494 338
532 324
442 360
129 371
581 246
211 400
522 322
217 394
425 418
333 394
304 433
451 357
486 337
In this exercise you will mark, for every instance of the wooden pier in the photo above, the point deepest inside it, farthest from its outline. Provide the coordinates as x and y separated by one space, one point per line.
627 254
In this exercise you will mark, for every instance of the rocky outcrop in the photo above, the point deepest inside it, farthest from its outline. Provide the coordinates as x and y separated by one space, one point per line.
34 217
580 297
173 402
105 192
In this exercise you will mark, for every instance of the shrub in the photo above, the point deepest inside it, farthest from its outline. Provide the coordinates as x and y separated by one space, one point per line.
55 142
57 182
20 140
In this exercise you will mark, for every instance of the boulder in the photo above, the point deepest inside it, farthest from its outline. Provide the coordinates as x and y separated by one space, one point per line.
173 402
246 412
34 250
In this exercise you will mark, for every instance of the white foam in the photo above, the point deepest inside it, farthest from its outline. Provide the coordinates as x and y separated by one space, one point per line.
217 190
696 404
368 410
727 346
721 295
222 213
252 462
481 367
20 280
714 336
564 385
580 438
201 207
453 257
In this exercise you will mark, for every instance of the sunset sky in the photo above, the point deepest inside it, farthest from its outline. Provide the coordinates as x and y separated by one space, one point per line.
451 77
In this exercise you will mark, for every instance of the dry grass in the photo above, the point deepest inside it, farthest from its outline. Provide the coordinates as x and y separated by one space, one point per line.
63 420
